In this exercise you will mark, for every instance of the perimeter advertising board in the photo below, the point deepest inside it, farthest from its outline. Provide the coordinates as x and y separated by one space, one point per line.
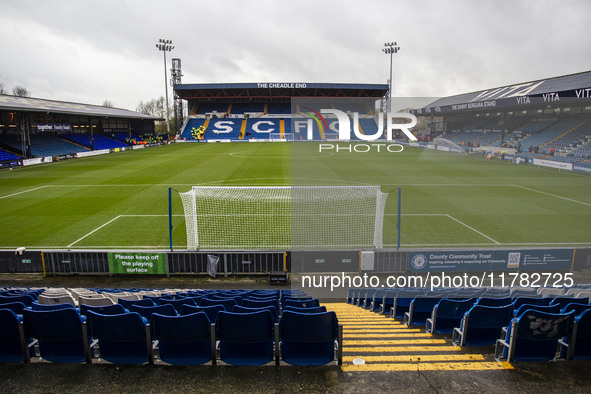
492 260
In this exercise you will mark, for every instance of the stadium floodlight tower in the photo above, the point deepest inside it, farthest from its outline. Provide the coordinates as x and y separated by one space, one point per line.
390 48
165 46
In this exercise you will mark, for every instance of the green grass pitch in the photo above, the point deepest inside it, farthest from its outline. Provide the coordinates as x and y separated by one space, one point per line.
120 201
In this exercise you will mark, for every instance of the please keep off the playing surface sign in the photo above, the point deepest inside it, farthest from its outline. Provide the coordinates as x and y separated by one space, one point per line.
137 263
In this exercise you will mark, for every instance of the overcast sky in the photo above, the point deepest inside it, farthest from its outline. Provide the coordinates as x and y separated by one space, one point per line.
90 51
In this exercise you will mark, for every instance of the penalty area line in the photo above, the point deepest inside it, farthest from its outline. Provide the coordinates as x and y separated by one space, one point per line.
111 221
94 231
473 229
24 191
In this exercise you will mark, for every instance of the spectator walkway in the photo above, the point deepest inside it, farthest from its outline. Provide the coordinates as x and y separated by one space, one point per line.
372 342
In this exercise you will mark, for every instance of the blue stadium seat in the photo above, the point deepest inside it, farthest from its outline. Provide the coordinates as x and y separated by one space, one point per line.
61 335
228 297
113 309
245 309
177 303
365 298
254 303
310 338
533 336
184 340
16 307
128 303
8 156
542 308
350 294
302 303
245 339
376 302
579 345
564 301
227 303
401 303
50 307
26 299
317 309
447 315
147 311
387 303
192 123
482 325
262 128
223 129
419 310
211 311
492 301
576 307
121 339
517 302
12 340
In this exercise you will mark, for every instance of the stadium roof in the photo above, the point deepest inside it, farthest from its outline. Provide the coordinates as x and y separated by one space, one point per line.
29 104
277 90
542 91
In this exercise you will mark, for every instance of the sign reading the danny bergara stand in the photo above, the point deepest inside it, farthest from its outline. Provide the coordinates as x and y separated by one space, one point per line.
492 260
137 263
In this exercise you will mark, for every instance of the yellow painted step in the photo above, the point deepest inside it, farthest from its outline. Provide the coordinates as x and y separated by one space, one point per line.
445 366
416 358
350 349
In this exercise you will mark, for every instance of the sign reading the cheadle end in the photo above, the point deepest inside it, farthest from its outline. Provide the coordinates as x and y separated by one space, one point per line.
281 85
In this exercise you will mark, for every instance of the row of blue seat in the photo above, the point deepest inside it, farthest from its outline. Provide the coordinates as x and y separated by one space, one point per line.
146 308
169 328
535 336
253 338
522 328
382 299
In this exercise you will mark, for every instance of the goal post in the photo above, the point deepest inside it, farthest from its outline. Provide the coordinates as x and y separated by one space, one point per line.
284 217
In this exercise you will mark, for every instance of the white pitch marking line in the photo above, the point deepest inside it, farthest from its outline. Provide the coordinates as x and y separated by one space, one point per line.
93 231
111 221
24 191
473 229
554 195
416 214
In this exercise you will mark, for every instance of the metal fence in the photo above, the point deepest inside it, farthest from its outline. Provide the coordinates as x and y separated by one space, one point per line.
229 263
56 262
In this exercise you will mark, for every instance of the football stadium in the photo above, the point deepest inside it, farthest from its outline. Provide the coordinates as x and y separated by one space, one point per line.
298 236
468 233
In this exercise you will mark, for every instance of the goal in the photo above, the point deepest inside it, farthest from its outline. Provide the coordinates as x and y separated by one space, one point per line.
284 217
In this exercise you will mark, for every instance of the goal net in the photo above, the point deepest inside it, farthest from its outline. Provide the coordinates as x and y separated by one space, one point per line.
275 217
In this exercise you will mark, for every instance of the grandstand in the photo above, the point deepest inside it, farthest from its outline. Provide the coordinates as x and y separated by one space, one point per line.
38 128
546 119
261 111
